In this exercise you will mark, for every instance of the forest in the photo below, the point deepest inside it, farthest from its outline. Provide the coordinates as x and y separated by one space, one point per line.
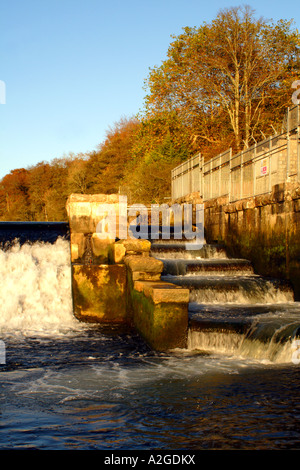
223 84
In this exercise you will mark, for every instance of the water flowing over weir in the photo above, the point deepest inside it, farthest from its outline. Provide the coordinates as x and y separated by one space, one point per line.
232 310
67 384
35 278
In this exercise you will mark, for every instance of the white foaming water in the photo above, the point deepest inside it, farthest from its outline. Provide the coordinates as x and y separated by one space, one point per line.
248 291
172 249
222 288
258 343
36 289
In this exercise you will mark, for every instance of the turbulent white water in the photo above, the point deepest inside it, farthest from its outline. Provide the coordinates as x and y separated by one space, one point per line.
225 292
36 299
258 343
35 291
246 290
66 384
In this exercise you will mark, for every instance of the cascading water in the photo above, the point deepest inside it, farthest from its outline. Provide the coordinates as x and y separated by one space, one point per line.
232 310
70 385
36 288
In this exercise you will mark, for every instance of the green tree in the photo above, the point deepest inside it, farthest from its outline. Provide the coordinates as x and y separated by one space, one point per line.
160 143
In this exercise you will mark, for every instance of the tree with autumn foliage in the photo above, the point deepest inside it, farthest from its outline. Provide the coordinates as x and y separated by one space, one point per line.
226 77
14 196
107 165
161 142
223 84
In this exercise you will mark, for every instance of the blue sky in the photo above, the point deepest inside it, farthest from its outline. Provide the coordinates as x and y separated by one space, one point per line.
73 68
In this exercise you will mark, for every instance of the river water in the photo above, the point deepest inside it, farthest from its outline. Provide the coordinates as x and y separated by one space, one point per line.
69 385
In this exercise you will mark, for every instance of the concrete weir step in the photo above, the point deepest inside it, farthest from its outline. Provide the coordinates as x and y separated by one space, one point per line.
163 291
183 267
232 265
162 249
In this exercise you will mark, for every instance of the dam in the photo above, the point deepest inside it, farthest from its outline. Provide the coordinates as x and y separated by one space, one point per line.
178 293
74 384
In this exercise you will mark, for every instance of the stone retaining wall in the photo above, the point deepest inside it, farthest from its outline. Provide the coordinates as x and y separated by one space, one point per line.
264 229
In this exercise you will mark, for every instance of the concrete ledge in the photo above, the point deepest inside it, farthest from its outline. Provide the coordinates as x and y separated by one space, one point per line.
162 324
140 276
137 246
163 291
144 264
123 248
159 309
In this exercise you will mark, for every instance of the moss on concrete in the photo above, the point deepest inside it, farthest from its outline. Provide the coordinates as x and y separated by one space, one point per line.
99 293
162 325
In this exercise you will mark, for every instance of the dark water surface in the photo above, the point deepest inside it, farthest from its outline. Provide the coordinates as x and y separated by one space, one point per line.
68 385
106 390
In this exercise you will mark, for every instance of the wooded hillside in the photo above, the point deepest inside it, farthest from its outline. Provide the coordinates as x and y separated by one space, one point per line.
223 84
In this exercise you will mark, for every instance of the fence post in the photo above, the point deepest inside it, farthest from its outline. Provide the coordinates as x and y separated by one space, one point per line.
190 176
220 180
254 170
298 144
229 189
288 145
210 179
200 176
202 179
270 164
242 176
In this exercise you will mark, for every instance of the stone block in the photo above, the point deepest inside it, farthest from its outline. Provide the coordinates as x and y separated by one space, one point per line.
118 253
129 247
144 264
229 208
77 242
99 293
249 204
140 276
163 291
85 211
163 325
134 245
100 249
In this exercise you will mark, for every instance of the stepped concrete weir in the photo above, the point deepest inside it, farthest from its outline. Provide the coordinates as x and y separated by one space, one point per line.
176 294
116 280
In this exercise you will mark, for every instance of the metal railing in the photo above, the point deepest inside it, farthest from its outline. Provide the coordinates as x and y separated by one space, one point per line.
251 172
187 177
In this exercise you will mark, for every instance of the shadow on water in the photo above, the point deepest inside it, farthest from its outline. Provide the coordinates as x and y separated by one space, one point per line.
31 232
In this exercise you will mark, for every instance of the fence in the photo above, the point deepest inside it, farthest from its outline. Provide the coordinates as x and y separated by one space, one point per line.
249 173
